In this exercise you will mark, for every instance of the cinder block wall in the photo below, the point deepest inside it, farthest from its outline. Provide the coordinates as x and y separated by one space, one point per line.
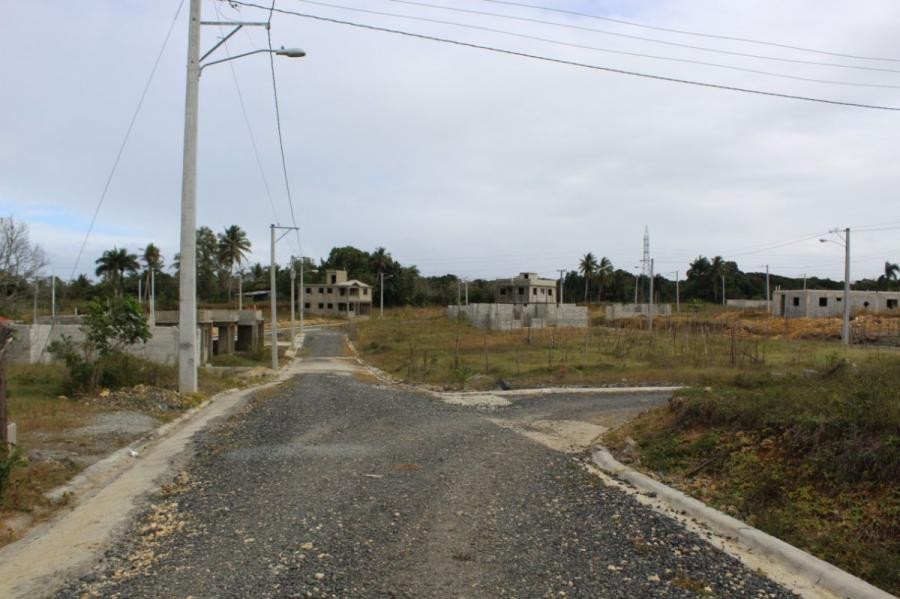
506 317
30 343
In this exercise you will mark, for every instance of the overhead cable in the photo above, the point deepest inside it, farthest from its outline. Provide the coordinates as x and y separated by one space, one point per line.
633 37
595 48
574 63
693 33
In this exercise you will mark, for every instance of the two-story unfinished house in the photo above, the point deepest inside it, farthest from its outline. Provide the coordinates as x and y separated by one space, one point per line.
338 296
527 288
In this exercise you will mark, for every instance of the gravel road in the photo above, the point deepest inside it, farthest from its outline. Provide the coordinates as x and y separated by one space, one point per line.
333 486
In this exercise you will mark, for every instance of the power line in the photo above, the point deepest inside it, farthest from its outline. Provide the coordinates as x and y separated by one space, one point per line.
574 63
240 96
694 33
635 37
134 116
287 183
588 47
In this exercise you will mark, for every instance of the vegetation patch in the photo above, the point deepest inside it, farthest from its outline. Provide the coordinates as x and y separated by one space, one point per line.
812 457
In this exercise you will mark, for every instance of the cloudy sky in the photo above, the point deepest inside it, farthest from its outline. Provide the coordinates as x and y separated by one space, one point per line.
458 159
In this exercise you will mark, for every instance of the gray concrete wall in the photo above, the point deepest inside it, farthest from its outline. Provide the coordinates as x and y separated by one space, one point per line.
809 303
505 317
746 304
30 343
623 311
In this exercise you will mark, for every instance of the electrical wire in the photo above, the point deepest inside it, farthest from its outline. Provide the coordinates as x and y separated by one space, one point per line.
128 130
253 145
629 36
593 48
694 33
494 49
287 183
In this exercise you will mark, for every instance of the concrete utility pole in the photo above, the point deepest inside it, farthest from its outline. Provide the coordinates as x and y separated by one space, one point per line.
677 295
768 295
561 284
458 293
303 294
804 281
273 306
139 293
240 291
466 286
53 298
650 305
636 284
723 290
34 317
152 297
187 282
845 328
293 332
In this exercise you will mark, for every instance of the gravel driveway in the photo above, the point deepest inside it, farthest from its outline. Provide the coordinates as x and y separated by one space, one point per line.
336 487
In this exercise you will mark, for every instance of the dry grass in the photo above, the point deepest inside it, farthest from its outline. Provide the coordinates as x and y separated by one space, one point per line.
423 345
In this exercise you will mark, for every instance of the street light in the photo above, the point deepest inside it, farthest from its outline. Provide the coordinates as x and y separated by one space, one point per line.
845 243
187 283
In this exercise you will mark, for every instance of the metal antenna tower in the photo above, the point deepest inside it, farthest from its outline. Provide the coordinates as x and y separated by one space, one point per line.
645 265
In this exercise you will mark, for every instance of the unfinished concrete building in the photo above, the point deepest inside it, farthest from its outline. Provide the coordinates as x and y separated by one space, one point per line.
338 296
527 288
824 303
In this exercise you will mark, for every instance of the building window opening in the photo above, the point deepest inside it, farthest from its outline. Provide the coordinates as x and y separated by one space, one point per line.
550 292
521 291
795 301
330 306
321 290
866 305
306 305
823 301
503 291
892 304
534 291
333 279
308 290
321 306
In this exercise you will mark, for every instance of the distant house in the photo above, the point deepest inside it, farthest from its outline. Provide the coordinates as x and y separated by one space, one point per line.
822 303
527 288
338 296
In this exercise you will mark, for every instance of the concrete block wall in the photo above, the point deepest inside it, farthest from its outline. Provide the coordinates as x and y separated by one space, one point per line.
745 304
506 317
622 311
31 341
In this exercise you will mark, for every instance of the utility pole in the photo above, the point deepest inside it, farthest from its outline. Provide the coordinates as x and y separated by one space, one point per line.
561 284
34 317
466 286
845 330
187 282
273 319
636 275
293 332
152 297
650 304
458 292
677 295
273 306
53 298
768 295
723 290
240 291
804 281
139 298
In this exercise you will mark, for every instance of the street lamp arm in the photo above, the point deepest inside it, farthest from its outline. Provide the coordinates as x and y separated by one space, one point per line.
289 52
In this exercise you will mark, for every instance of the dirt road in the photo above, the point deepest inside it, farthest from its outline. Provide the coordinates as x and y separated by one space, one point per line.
335 486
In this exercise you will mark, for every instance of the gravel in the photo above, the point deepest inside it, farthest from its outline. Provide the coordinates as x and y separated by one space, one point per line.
335 487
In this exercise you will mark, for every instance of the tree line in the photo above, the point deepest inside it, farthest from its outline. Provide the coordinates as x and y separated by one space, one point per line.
222 269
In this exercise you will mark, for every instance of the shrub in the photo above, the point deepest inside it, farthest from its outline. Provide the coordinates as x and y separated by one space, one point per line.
9 461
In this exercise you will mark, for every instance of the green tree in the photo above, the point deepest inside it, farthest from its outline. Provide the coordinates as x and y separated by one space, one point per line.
113 265
233 246
587 267
108 328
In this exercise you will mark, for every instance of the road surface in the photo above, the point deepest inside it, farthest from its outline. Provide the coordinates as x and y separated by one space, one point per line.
337 486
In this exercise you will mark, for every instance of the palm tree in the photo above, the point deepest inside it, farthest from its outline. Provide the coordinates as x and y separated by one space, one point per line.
153 261
587 267
112 266
891 272
604 274
233 246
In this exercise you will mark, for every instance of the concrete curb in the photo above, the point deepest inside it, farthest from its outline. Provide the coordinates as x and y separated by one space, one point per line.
819 573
